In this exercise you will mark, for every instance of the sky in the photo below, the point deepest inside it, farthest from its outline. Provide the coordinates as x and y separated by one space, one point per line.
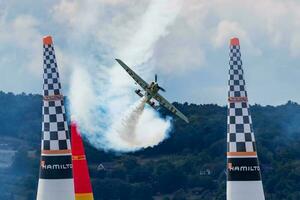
187 44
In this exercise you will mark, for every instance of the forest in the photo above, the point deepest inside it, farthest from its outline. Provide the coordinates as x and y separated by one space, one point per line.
190 164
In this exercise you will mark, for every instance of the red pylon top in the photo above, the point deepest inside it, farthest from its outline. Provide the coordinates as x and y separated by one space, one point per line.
234 41
47 40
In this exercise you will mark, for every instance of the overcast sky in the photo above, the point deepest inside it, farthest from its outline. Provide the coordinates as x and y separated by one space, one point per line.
188 44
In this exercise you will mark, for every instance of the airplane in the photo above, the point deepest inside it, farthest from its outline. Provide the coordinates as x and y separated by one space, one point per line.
151 92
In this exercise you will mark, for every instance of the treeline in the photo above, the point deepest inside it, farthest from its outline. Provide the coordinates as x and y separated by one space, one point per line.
190 164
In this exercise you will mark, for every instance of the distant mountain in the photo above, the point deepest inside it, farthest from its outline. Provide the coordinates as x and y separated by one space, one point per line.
190 164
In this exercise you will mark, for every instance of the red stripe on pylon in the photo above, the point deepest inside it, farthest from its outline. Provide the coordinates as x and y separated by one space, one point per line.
81 175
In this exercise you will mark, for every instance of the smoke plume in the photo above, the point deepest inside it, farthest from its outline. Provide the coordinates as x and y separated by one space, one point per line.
103 100
129 124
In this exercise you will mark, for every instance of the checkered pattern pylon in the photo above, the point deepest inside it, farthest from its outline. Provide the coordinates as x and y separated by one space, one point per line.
240 137
51 77
55 128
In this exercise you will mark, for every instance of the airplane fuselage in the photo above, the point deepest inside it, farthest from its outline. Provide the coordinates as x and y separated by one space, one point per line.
153 90
150 92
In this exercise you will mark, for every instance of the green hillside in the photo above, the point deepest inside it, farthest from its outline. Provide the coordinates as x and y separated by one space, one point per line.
190 164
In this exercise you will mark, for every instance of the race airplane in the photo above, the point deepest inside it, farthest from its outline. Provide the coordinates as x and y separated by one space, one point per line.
151 92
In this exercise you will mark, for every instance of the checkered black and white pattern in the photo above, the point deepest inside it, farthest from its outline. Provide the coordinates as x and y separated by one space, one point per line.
51 77
54 127
240 136
236 81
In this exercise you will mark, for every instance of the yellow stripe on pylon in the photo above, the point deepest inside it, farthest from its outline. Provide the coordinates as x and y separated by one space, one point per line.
79 157
84 196
252 153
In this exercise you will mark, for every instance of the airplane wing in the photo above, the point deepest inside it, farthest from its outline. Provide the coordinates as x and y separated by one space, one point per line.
170 107
136 77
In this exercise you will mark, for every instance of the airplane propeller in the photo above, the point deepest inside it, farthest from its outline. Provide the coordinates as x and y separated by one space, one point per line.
162 89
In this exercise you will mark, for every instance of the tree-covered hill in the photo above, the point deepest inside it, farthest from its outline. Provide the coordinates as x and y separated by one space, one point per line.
190 164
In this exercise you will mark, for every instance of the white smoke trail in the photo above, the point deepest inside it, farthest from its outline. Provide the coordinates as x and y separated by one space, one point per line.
125 135
110 121
134 130
129 124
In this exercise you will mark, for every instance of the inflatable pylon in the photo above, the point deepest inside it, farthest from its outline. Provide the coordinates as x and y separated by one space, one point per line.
56 177
82 182
243 171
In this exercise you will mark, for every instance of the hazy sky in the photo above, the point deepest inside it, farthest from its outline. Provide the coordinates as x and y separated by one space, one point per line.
187 48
